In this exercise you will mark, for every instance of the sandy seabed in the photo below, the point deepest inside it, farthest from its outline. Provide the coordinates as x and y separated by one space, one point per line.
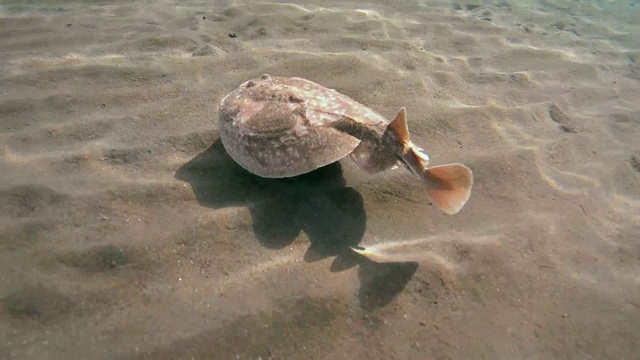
128 233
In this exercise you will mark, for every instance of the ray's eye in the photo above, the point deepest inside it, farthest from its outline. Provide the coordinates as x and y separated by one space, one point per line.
293 98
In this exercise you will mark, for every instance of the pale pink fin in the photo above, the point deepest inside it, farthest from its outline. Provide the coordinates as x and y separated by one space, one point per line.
399 126
449 186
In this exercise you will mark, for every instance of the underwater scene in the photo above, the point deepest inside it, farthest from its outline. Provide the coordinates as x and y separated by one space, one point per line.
234 179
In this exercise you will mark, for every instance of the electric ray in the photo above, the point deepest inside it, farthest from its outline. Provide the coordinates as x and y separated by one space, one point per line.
277 127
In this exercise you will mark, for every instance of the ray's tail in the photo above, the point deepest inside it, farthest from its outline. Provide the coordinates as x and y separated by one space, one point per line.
448 186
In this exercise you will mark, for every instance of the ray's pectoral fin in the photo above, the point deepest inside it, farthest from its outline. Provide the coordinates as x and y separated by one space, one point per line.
448 186
373 154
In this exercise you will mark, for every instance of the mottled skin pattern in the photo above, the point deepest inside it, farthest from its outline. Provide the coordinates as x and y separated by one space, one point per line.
283 127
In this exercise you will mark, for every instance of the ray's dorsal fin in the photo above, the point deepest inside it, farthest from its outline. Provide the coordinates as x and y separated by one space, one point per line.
399 126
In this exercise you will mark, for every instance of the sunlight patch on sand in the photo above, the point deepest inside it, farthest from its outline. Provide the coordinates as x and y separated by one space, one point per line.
622 203
369 13
505 131
532 139
419 250
383 255
35 62
600 274
247 276
560 53
16 158
565 181
279 6
29 64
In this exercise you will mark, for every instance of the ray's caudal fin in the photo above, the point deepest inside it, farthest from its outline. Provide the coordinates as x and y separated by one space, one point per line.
448 186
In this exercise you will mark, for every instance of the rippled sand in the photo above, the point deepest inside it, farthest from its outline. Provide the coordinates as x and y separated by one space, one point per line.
127 232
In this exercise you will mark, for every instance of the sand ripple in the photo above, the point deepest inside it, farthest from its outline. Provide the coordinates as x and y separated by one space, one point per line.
127 232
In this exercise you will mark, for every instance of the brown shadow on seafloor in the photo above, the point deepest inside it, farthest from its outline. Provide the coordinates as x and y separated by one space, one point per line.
318 203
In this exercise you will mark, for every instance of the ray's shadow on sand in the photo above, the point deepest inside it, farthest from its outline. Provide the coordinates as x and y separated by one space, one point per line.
318 203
